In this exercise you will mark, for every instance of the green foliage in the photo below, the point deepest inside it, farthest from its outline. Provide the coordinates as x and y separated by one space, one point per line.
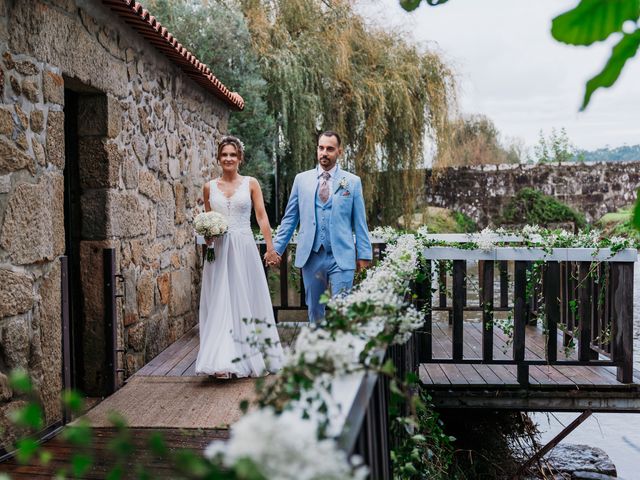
216 32
325 69
557 148
594 21
475 140
531 206
465 223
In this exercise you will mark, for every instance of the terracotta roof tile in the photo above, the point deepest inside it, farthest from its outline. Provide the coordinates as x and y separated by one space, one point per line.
146 25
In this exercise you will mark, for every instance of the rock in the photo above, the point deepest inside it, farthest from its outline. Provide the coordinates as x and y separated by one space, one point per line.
99 163
568 458
22 118
12 159
164 287
166 207
7 125
591 476
99 115
14 349
180 295
37 121
148 184
26 68
16 293
145 292
130 172
110 213
31 91
8 61
157 336
15 85
5 183
38 152
5 389
22 141
9 431
137 248
55 138
53 88
133 363
33 227
135 337
140 148
49 313
181 206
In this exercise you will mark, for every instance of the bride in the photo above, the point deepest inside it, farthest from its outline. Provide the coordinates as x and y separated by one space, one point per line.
238 336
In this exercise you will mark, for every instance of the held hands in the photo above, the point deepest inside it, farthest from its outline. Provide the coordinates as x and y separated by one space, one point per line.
272 259
362 265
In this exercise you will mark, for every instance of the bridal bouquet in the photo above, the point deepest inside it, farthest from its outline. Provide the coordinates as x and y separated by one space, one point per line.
210 224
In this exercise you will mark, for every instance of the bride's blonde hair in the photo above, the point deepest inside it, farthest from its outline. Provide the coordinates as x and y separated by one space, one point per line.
231 140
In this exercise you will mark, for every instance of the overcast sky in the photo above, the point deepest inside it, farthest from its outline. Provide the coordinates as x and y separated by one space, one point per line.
510 68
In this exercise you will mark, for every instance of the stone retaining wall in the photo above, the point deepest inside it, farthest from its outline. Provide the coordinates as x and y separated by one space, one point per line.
146 138
482 192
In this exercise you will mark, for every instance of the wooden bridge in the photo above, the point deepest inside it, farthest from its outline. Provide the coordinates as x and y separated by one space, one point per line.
568 347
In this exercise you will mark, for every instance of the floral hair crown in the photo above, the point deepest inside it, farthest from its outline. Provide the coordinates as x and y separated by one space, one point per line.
233 140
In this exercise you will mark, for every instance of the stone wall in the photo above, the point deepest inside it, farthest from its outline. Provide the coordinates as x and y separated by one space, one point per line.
146 138
482 192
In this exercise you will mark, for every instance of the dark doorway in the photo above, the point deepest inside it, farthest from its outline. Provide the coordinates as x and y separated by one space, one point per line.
73 234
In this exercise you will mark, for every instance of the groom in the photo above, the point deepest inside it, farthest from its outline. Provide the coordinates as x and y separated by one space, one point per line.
327 202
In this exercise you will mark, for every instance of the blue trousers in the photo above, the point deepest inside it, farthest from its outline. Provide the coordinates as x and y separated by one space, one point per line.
320 270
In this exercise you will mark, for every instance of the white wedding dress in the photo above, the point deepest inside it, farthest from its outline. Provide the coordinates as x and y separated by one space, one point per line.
237 328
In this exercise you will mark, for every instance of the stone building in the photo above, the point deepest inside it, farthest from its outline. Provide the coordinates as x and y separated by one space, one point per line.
108 128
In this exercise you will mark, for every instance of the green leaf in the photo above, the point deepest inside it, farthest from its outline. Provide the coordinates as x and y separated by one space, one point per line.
410 5
73 400
29 416
26 449
80 464
636 212
115 473
593 20
157 444
45 457
388 368
79 433
623 51
19 381
244 406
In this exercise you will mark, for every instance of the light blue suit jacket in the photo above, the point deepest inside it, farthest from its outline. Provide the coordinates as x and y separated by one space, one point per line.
348 217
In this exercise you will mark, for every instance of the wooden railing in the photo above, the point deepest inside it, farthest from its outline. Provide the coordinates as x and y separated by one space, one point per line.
586 293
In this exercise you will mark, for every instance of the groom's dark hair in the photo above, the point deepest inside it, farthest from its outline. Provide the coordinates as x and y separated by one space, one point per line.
330 133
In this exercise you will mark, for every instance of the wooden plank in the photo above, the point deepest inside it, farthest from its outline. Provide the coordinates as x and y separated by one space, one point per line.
519 309
504 283
442 284
486 299
438 376
459 293
191 352
551 284
584 310
177 358
623 319
454 374
471 374
488 375
167 353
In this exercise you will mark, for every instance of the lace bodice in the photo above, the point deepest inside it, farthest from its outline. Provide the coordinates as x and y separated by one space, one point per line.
237 207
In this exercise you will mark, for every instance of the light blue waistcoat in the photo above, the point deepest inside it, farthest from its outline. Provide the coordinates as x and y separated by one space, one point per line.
323 217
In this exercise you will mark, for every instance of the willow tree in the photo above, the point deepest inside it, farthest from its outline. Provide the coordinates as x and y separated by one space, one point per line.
325 69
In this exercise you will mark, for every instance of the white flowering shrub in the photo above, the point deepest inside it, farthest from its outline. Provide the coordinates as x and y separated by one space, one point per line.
284 447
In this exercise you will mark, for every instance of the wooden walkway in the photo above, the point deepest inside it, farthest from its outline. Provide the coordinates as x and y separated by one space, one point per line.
552 387
104 459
